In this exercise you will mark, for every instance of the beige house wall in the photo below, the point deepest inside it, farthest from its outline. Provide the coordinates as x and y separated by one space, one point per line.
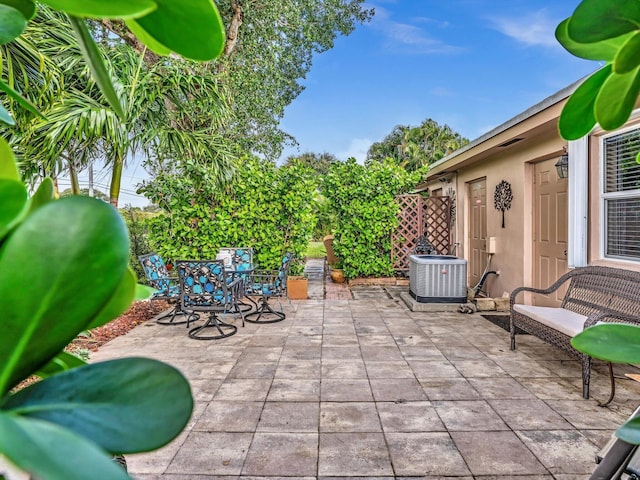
509 153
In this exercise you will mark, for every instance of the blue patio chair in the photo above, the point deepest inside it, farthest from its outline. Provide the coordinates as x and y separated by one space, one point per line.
267 284
204 287
238 262
167 287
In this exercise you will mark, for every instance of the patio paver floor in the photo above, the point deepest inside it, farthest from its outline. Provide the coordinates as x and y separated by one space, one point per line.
365 388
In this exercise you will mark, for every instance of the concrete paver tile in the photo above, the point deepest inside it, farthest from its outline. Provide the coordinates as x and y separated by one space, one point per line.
225 416
396 390
282 454
409 417
346 390
449 389
342 369
212 453
349 417
561 451
388 369
243 389
283 417
496 453
502 388
469 415
425 453
285 389
531 414
353 454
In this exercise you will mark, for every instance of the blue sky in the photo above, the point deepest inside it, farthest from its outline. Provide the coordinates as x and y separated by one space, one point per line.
469 64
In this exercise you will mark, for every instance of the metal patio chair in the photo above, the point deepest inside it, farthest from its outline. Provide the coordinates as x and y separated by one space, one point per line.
204 288
167 287
238 263
266 285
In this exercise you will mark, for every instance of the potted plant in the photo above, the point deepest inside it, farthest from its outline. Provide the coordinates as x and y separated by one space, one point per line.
337 275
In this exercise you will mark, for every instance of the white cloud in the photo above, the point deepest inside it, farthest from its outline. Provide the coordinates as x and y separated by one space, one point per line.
357 149
536 28
406 38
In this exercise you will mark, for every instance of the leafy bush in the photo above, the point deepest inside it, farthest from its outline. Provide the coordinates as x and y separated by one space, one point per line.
138 237
63 269
362 198
263 207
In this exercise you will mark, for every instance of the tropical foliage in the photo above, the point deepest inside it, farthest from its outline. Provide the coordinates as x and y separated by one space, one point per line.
362 199
263 207
417 147
64 269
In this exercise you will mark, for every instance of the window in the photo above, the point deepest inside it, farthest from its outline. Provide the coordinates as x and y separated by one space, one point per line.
621 196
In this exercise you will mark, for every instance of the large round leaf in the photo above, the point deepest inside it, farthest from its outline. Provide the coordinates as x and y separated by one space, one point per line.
102 8
192 28
577 117
627 58
58 269
43 195
630 431
596 20
8 166
604 50
119 301
50 452
616 99
126 406
12 23
613 342
26 7
13 203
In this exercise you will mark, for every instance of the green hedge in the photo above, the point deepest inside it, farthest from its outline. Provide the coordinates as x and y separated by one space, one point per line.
263 207
362 198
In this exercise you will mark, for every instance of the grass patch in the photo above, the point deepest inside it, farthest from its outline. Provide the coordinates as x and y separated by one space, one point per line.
316 250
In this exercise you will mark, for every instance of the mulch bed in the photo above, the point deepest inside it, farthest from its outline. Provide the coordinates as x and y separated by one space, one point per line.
138 313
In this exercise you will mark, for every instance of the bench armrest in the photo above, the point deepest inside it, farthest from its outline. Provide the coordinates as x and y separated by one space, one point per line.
611 317
544 291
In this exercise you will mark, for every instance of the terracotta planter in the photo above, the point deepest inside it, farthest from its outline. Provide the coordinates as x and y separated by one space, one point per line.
328 246
297 288
337 275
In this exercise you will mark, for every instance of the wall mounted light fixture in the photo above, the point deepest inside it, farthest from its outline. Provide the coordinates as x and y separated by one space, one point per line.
562 165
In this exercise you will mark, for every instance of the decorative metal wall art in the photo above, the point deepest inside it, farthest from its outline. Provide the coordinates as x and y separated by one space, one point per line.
502 198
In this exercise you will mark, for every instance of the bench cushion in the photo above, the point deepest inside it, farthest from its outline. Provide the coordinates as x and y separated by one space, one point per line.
565 321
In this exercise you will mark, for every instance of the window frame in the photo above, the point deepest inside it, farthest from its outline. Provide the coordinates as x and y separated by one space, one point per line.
605 196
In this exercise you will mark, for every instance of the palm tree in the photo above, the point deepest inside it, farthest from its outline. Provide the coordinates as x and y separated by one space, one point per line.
168 114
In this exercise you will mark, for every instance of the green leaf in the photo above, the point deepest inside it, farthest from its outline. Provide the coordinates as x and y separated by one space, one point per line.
119 302
12 23
147 39
630 431
128 405
5 116
103 9
60 363
43 195
193 29
616 99
20 99
578 117
48 451
613 342
143 292
13 205
627 58
26 7
604 50
596 20
62 265
8 166
96 64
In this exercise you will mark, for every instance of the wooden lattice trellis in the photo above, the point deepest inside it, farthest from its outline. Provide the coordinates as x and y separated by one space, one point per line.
417 217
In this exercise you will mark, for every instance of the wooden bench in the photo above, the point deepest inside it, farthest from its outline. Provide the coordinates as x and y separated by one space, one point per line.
594 294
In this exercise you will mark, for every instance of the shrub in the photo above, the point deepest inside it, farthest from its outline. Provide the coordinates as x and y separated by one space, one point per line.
362 198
